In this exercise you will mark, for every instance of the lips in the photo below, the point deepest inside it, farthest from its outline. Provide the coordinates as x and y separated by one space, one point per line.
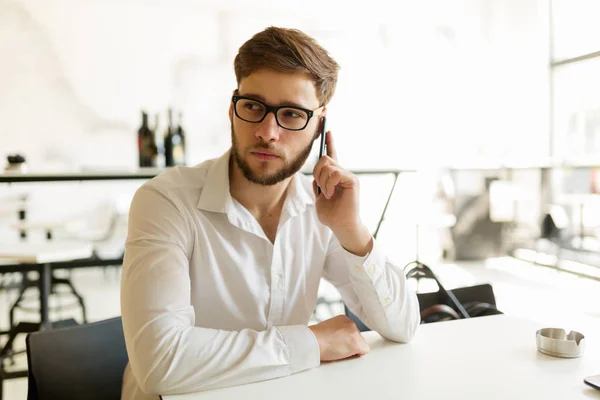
265 153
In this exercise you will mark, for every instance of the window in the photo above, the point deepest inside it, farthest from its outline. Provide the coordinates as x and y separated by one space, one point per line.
575 27
576 116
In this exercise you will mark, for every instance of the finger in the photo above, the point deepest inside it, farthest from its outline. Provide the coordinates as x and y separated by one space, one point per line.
327 172
333 176
314 186
331 150
318 169
331 181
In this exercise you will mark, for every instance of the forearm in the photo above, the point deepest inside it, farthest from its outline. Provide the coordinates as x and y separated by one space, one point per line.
384 302
356 239
173 360
375 290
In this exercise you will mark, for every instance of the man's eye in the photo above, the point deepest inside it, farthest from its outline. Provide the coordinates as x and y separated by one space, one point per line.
252 106
291 114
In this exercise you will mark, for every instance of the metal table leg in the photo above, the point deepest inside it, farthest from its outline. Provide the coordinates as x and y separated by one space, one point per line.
387 203
44 285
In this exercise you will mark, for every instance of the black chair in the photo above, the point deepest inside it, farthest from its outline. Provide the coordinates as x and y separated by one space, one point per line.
80 362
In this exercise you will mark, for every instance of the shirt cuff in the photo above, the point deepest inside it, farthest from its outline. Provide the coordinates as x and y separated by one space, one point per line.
373 259
302 346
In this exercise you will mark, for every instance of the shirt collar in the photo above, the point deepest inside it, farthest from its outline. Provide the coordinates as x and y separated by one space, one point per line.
215 194
216 197
300 194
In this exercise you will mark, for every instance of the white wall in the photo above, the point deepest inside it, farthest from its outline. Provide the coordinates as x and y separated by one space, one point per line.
422 84
74 75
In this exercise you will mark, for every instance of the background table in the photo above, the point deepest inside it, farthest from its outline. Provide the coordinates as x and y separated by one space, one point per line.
44 258
480 358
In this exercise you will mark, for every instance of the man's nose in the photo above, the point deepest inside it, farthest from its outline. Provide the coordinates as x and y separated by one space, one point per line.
268 130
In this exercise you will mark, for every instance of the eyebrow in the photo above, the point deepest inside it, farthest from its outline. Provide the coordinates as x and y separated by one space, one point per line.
281 103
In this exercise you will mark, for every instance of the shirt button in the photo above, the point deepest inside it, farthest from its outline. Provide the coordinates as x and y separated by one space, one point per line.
357 267
371 269
276 278
387 300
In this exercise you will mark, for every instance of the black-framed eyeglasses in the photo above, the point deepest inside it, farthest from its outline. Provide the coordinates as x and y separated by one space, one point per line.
288 117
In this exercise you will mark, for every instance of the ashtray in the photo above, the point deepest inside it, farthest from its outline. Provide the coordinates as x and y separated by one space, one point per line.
557 343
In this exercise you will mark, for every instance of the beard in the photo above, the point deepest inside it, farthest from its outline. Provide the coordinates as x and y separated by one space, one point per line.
289 167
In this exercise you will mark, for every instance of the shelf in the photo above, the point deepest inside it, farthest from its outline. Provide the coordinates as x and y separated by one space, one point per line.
14 177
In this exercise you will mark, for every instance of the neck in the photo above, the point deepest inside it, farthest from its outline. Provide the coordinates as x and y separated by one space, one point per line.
258 199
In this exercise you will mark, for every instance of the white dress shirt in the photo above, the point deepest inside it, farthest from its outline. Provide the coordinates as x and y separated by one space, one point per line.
208 301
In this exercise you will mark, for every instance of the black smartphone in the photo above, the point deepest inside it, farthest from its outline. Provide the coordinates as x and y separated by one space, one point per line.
593 381
322 147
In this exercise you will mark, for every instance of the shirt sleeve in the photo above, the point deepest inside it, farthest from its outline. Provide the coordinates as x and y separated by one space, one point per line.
168 353
375 290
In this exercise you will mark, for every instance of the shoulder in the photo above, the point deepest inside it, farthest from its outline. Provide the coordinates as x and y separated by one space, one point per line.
180 185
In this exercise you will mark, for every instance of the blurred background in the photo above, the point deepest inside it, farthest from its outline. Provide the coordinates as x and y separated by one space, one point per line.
481 117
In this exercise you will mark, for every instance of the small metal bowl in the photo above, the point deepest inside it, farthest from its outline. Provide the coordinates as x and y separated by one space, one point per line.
557 343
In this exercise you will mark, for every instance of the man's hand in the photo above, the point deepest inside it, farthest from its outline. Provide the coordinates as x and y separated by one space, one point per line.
338 205
339 338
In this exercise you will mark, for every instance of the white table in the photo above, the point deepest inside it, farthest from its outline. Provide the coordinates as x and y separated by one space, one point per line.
23 256
26 251
481 358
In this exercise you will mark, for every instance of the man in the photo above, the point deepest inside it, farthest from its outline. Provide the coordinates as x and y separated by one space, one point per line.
223 260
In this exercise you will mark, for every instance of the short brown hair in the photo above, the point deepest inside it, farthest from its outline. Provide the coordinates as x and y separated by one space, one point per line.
288 50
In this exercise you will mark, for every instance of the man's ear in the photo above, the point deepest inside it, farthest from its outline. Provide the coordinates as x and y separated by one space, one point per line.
231 112
318 132
235 92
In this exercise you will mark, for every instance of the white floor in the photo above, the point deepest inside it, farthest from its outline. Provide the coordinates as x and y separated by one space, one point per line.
544 295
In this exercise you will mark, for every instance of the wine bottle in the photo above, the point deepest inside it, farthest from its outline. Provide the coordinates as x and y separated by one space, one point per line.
145 141
179 152
174 150
159 153
169 162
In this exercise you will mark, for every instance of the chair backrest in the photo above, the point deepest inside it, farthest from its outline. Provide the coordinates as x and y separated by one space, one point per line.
478 293
470 296
80 362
